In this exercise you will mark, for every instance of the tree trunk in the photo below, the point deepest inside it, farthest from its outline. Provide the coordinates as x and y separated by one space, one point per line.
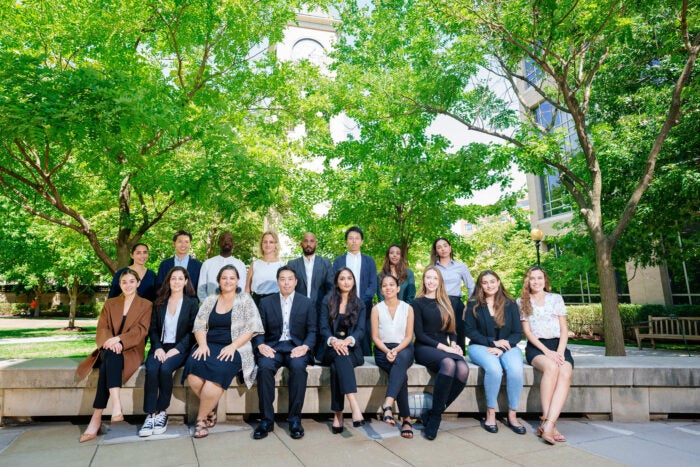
73 295
612 323
38 292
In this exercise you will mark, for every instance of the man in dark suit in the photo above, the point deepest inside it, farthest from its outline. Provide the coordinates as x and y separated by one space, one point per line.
181 241
365 270
314 273
289 320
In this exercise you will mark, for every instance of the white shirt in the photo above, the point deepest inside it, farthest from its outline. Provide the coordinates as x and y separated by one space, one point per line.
286 304
210 269
392 330
309 266
265 277
354 263
170 325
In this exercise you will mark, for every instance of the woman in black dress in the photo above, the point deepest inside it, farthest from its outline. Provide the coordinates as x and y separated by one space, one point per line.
436 347
171 340
224 326
342 330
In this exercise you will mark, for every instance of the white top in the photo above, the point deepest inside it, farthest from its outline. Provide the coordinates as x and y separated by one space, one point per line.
354 263
210 269
309 267
392 331
170 325
544 320
286 304
265 277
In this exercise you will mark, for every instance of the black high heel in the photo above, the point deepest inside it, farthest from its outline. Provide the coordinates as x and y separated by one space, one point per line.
358 423
337 429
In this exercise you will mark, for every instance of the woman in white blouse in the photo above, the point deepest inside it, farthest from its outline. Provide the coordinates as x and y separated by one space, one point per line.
392 333
262 273
543 316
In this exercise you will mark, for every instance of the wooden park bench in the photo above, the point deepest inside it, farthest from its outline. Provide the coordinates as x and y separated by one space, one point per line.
665 328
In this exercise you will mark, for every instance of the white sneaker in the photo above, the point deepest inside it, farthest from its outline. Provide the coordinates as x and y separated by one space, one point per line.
147 427
161 423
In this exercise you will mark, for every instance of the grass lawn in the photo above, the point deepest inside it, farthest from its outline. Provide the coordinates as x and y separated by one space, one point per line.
44 332
77 348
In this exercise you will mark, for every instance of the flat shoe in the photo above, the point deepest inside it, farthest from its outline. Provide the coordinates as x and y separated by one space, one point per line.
517 429
489 428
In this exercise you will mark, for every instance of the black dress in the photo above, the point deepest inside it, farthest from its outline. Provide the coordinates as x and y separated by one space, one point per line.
213 369
427 327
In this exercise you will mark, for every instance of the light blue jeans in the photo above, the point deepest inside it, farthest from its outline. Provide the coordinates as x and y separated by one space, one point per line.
511 362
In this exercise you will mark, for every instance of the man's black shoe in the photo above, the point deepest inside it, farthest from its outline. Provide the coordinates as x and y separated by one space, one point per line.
262 430
296 430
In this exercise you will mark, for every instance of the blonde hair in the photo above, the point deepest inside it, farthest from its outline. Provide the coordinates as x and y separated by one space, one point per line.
274 236
447 314
525 304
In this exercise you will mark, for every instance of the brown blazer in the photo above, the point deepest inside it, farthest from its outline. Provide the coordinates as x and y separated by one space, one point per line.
133 336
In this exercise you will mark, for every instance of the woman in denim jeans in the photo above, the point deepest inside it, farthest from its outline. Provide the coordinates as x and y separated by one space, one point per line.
492 324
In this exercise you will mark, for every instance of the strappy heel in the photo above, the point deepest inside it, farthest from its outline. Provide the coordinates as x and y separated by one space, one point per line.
547 436
211 419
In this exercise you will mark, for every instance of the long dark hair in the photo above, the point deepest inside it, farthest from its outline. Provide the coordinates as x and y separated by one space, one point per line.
499 300
401 268
352 309
133 248
433 251
164 291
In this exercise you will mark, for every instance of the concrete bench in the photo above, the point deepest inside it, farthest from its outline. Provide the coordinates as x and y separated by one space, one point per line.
622 388
665 328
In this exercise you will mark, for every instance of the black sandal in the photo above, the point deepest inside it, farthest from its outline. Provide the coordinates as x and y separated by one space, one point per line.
407 432
389 419
200 429
211 419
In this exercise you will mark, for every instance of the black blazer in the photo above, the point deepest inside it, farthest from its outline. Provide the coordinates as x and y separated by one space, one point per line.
183 334
321 279
302 322
357 331
193 267
482 329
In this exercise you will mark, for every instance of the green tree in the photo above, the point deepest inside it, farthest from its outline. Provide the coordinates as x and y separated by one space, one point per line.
113 113
577 47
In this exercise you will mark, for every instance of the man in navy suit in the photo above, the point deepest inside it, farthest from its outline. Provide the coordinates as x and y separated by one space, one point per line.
182 241
289 320
365 270
314 273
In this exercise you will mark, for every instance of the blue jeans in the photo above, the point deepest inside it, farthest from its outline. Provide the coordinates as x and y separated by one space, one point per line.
511 362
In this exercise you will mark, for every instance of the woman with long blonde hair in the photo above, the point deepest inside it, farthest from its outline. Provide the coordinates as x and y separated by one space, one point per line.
543 317
436 347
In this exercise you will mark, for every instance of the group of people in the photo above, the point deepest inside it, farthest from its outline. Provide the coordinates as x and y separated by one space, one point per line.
248 324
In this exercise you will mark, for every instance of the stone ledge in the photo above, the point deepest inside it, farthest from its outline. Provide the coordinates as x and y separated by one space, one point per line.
626 388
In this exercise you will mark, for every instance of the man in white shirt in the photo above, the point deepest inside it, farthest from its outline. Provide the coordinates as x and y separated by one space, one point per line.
289 320
314 273
211 267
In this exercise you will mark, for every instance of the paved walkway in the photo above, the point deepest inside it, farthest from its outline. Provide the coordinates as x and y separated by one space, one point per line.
461 441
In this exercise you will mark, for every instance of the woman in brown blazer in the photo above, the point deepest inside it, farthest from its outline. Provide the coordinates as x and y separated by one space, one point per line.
121 340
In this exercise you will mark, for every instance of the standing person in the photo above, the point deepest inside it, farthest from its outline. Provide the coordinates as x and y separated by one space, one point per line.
454 273
207 284
392 334
121 341
395 264
314 273
435 346
543 316
182 240
289 320
342 329
171 339
492 324
364 269
261 280
147 285
223 328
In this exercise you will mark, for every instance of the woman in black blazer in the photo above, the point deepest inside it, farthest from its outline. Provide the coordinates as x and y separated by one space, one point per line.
342 331
172 319
492 324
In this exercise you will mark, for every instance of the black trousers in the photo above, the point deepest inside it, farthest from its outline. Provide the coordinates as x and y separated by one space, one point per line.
366 344
458 308
342 377
158 388
397 388
111 369
267 369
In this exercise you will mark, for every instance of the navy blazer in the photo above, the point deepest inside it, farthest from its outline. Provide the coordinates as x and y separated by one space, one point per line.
183 334
321 279
302 322
368 277
193 267
482 329
357 331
